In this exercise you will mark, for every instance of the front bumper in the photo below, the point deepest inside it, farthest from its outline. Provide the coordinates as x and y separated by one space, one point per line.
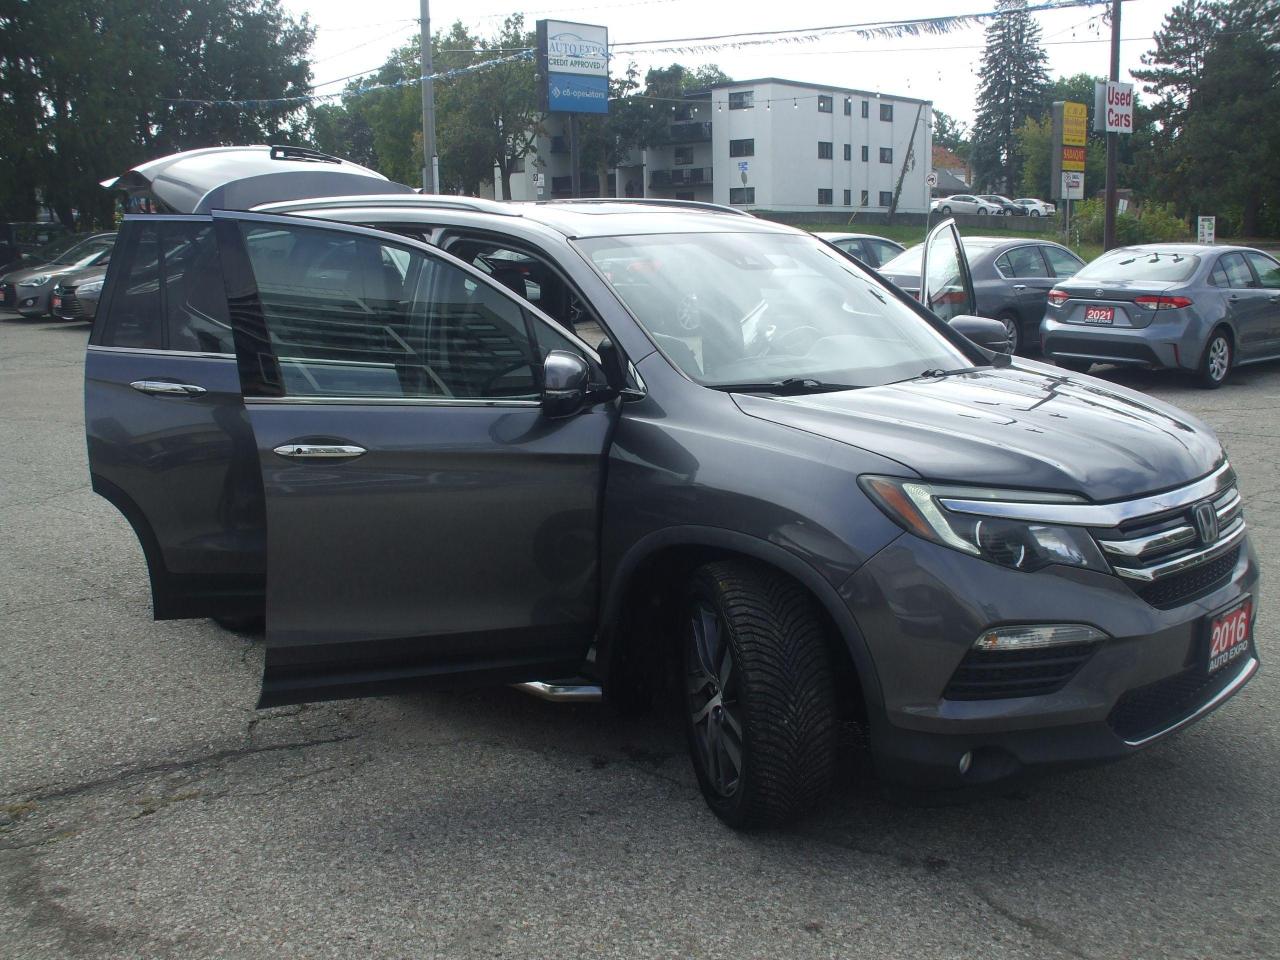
32 301
920 607
1173 342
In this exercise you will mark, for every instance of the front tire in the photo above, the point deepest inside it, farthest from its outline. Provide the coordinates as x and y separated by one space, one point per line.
945 211
1035 213
1075 366
982 211
1216 361
1010 321
758 693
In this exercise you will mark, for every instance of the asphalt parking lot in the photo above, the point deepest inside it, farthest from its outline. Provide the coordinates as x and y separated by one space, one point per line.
147 810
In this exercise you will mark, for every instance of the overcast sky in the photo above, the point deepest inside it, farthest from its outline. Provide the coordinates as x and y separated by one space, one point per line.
354 37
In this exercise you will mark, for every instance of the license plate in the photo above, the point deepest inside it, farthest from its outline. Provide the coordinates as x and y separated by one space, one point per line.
57 303
1229 636
2 297
1099 314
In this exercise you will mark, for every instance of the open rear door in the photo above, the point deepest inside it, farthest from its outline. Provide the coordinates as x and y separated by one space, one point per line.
425 521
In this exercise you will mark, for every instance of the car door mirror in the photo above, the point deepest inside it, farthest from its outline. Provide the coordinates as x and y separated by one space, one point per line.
946 285
985 332
565 382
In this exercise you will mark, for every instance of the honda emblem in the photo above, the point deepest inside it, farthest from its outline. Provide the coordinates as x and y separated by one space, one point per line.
1205 518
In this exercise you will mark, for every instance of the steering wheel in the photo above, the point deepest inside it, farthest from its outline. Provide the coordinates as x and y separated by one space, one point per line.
814 333
689 313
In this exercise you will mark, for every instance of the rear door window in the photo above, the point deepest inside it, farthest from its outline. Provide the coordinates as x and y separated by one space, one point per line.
1267 270
1027 262
134 317
1061 263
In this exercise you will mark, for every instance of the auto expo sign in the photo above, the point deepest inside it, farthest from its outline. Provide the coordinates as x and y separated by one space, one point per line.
573 66
1119 107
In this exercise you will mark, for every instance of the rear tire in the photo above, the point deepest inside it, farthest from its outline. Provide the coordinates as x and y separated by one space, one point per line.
1216 361
1035 213
1075 366
982 211
253 624
758 694
945 211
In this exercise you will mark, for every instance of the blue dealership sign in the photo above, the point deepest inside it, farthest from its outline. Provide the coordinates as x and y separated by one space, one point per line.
572 93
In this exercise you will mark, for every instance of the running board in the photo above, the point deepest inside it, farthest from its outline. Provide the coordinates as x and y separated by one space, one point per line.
563 691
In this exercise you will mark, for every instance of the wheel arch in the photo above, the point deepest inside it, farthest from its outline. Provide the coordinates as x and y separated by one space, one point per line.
659 559
163 603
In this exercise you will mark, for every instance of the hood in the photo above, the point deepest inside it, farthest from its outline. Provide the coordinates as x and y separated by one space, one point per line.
74 278
1020 426
54 270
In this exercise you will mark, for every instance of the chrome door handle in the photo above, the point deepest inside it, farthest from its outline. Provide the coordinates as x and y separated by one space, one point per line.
167 389
1019 286
319 451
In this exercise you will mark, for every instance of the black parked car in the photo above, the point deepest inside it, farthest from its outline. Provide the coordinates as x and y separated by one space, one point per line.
1012 280
1003 206
713 446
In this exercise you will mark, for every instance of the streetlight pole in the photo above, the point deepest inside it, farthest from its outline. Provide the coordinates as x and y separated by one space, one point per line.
429 184
1113 139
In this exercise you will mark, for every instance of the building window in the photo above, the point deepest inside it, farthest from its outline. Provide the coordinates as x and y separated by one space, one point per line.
824 149
742 195
518 166
865 153
683 156
886 198
824 198
866 109
886 154
824 103
848 151
742 148
886 111
865 199
848 198
848 106
742 100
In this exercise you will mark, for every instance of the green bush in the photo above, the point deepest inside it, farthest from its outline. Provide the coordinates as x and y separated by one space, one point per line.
1151 223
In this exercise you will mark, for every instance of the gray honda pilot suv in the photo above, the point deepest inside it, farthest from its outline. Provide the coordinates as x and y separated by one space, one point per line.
651 446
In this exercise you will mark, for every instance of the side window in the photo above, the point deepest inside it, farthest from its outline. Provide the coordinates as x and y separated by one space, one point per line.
1237 271
195 302
882 252
1219 276
1004 266
1061 263
350 316
133 316
1027 262
1268 270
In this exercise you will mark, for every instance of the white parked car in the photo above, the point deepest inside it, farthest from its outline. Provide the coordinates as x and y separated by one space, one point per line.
1037 208
960 203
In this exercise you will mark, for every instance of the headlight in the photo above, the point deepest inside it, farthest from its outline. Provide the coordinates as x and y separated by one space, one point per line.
39 281
93 286
1019 544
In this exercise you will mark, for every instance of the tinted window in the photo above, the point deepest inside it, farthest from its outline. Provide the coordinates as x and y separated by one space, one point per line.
350 316
824 150
1131 264
1027 262
1061 262
882 251
86 252
1236 270
133 319
194 300
1268 270
742 148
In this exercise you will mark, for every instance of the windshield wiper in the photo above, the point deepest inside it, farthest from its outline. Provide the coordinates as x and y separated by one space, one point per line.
947 373
789 386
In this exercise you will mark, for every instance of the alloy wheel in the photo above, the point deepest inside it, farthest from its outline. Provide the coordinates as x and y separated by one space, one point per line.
715 710
1012 332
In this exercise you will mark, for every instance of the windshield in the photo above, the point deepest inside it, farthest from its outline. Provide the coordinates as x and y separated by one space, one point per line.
55 248
85 253
1140 265
908 261
739 308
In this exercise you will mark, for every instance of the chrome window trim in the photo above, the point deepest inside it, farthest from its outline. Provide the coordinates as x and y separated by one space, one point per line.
391 401
1247 671
1098 514
156 351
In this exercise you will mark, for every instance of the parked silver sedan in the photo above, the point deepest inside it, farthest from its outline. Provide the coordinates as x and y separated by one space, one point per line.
870 249
1183 306
960 203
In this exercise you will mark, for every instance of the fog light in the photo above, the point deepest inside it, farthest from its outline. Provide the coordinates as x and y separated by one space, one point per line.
1037 636
966 761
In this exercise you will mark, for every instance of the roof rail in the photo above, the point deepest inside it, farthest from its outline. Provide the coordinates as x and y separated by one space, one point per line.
433 200
658 202
280 151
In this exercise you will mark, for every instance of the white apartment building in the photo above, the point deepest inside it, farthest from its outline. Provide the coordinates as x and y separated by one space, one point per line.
766 144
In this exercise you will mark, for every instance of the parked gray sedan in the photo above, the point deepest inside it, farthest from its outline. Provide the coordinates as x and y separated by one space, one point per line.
1011 278
75 296
1179 306
872 250
29 290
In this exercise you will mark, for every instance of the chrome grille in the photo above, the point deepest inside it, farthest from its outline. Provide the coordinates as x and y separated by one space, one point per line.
1174 550
71 308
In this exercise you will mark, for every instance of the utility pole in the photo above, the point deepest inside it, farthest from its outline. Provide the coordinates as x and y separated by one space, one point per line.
429 184
1113 139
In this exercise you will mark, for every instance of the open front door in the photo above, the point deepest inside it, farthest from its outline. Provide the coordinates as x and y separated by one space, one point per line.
425 521
946 285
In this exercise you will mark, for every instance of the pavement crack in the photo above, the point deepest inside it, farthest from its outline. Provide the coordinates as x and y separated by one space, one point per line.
1037 928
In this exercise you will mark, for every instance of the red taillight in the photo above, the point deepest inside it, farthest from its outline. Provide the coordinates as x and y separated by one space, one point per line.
1058 297
1162 303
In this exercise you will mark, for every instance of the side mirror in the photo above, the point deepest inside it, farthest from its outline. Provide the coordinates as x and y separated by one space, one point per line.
987 333
565 380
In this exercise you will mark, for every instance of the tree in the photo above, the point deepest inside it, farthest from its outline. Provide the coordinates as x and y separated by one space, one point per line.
1215 71
951 133
1012 89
